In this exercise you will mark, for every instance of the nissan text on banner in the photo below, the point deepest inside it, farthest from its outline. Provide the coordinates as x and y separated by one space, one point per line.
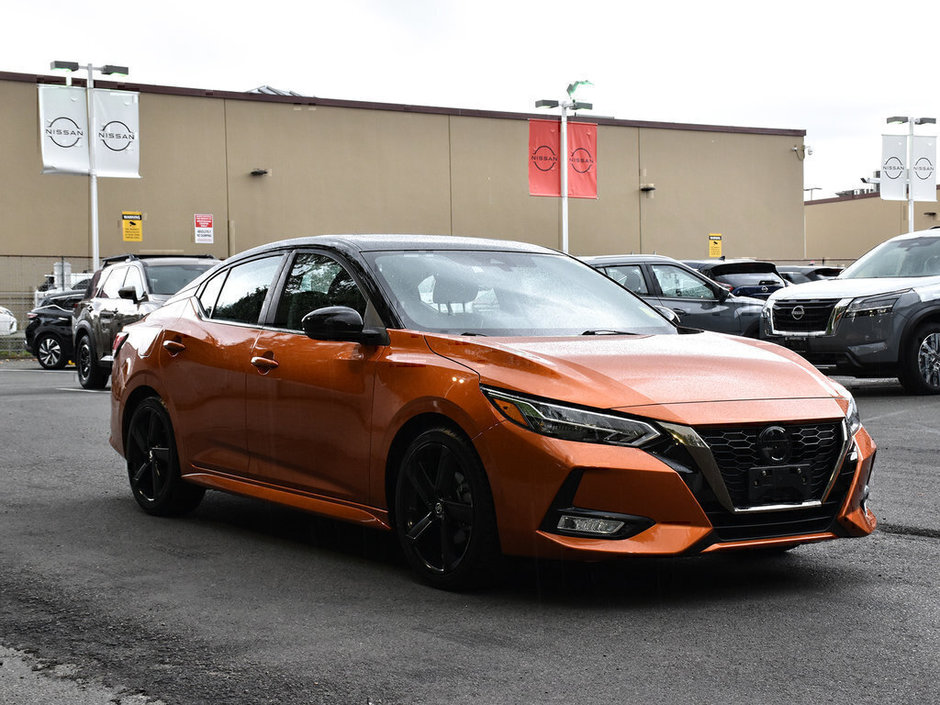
893 167
923 169
64 131
544 156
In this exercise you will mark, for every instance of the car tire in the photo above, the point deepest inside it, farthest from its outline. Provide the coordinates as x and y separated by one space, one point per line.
153 464
90 374
920 364
444 514
49 352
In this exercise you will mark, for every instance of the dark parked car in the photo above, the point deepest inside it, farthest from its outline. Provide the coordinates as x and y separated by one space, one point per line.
696 300
879 318
124 290
742 277
802 273
49 329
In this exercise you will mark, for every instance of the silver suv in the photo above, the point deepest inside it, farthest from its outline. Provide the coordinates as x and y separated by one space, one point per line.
879 318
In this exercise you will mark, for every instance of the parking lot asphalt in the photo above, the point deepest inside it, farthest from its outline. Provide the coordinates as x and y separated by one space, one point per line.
251 603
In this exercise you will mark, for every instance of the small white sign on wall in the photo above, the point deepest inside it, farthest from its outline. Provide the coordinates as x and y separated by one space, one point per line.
203 227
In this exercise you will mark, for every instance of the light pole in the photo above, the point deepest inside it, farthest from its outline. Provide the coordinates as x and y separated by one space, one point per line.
911 121
565 105
107 70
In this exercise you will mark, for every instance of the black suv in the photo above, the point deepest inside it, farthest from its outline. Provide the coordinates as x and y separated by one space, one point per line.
124 290
49 329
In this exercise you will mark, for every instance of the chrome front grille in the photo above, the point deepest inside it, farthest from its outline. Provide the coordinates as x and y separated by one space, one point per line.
803 461
809 316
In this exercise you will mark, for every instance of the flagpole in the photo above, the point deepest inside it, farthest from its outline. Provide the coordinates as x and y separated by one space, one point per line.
564 177
92 171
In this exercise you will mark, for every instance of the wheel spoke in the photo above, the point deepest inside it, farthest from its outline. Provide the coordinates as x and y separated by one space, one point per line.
419 528
418 479
449 554
446 465
138 474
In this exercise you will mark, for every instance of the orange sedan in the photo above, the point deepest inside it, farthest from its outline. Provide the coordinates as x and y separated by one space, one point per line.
480 398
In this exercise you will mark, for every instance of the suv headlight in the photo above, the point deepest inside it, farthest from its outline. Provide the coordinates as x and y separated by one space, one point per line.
869 306
852 418
568 422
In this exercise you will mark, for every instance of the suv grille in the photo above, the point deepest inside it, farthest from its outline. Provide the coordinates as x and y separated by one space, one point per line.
814 448
810 316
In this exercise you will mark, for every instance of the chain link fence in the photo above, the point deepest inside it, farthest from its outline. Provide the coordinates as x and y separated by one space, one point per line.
25 280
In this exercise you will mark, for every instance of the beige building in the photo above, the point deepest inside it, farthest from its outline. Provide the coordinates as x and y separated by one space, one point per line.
339 166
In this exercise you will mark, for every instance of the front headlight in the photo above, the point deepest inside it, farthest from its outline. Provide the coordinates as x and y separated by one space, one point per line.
570 423
852 418
879 305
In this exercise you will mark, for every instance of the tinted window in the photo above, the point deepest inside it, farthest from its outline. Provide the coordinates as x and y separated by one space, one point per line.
629 276
210 292
678 283
114 281
245 289
316 281
167 279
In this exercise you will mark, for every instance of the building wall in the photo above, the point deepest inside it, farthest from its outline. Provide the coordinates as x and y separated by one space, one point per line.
355 167
845 228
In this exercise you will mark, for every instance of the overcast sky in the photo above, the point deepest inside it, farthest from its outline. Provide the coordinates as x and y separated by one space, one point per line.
834 69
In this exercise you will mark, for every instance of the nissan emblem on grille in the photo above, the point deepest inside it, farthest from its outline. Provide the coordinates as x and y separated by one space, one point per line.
798 313
773 444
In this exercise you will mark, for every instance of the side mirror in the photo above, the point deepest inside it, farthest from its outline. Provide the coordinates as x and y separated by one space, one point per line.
341 323
668 314
721 294
129 293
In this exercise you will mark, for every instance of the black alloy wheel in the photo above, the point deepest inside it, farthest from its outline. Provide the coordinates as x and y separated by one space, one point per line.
444 513
90 375
49 352
153 465
920 368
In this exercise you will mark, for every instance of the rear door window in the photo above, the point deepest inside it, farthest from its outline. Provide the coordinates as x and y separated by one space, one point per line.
242 295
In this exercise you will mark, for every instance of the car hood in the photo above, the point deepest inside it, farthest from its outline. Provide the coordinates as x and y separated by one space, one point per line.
633 371
851 288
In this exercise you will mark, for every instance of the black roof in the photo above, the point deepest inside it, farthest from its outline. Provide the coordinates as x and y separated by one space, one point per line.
380 242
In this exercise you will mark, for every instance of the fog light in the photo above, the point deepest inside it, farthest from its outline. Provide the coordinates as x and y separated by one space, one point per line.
589 525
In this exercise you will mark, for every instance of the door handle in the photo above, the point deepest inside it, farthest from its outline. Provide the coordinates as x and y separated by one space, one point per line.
264 364
173 347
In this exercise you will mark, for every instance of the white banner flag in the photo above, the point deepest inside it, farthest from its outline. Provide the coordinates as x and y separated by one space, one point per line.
894 167
63 116
924 172
63 129
117 151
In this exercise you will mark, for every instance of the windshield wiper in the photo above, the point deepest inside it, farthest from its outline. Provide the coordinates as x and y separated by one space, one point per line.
606 331
472 333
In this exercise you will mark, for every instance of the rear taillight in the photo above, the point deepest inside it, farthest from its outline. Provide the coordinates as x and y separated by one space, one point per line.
118 342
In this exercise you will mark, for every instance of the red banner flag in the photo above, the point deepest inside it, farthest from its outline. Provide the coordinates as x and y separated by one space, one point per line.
544 156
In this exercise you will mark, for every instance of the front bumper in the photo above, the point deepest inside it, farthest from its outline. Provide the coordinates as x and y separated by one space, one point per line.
668 503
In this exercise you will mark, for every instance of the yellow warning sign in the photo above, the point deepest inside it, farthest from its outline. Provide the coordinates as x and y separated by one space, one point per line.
714 245
132 226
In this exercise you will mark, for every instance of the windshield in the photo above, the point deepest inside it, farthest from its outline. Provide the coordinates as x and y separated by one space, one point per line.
907 257
167 279
509 294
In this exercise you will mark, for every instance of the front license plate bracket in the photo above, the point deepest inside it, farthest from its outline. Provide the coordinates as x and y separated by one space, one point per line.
778 484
